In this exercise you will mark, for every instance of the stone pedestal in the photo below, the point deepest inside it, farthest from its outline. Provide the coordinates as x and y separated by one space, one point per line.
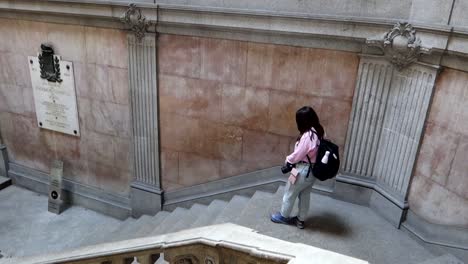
146 199
145 189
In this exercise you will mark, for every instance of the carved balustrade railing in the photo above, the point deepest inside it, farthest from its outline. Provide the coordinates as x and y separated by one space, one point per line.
219 244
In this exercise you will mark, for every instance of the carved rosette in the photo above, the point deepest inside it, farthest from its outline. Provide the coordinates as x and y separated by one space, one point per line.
400 45
135 21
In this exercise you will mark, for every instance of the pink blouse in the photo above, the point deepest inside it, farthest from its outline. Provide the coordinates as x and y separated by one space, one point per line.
303 147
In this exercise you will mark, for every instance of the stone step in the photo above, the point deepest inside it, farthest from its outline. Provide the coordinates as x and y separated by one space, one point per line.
255 209
101 232
169 222
116 233
153 223
264 222
444 259
210 214
232 209
196 211
129 231
66 231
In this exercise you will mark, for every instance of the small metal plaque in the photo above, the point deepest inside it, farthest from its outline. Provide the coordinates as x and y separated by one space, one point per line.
53 84
55 187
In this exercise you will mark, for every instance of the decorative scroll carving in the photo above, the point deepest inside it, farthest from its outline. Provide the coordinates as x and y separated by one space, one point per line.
209 260
400 45
186 259
136 21
49 64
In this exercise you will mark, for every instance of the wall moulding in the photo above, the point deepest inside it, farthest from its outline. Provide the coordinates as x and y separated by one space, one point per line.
332 28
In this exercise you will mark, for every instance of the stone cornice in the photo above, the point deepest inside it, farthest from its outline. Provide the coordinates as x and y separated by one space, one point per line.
169 18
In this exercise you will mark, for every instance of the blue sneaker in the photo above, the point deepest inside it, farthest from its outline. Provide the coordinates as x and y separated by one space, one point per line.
278 218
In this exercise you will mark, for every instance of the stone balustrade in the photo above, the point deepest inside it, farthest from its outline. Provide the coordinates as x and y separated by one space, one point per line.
226 243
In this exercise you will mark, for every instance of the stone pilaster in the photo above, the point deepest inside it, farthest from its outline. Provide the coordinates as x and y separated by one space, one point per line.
367 115
146 190
408 103
390 105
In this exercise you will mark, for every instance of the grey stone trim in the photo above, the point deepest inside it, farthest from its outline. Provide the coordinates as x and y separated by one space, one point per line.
457 62
3 161
74 193
245 184
366 192
354 29
145 199
263 36
387 209
63 19
367 183
439 238
450 236
4 182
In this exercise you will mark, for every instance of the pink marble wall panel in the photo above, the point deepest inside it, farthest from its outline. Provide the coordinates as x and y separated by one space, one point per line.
228 107
223 60
190 97
439 187
101 156
179 55
245 106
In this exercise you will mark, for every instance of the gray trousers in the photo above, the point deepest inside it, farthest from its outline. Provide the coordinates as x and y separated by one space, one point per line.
301 189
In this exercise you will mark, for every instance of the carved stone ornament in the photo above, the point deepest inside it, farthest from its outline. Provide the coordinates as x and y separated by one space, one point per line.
186 259
135 21
400 45
209 260
49 64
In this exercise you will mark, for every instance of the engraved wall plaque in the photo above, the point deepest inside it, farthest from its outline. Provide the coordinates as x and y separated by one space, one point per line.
53 86
55 187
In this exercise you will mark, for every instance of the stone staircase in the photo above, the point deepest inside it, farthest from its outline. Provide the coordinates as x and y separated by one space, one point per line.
26 228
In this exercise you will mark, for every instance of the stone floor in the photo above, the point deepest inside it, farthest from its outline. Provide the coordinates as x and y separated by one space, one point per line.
26 228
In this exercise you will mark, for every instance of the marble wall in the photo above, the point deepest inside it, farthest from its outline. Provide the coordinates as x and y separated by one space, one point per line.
101 157
228 107
439 190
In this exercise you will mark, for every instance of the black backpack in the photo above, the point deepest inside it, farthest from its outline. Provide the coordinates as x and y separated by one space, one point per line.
329 170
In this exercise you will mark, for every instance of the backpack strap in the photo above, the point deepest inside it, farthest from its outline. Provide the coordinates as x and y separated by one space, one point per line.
310 165
317 137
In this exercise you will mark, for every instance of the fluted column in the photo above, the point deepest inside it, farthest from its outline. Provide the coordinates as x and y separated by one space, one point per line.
146 187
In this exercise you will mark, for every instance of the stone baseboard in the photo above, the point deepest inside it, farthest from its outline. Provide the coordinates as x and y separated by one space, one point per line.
145 199
3 161
74 193
246 184
438 238
366 192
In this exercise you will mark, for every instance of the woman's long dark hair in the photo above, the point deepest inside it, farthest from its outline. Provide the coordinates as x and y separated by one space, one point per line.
306 119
